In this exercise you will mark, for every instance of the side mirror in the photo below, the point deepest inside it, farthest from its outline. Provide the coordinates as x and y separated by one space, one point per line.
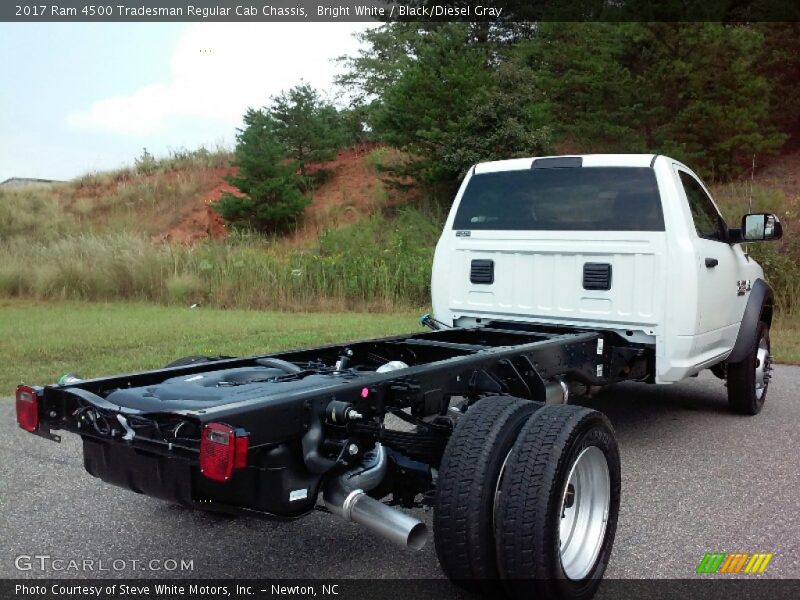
760 227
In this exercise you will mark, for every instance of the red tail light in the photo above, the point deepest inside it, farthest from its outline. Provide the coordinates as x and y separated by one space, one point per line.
27 408
222 451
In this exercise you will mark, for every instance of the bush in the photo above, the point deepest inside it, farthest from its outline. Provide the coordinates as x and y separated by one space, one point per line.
15 280
146 163
377 158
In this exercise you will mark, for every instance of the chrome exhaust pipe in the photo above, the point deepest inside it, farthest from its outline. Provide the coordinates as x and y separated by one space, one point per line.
390 523
346 496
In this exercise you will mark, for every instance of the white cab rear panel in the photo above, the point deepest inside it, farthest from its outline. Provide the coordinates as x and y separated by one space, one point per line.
542 277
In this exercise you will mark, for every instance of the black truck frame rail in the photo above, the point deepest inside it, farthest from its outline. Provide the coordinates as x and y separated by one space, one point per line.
327 412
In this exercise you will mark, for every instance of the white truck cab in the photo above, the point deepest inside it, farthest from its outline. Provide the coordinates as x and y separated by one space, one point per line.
631 243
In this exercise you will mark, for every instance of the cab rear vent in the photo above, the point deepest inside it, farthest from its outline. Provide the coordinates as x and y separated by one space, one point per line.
596 276
482 271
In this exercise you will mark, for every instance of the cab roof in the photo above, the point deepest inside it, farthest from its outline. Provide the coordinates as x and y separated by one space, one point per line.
567 160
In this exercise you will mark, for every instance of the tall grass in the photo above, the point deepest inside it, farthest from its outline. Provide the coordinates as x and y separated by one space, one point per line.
180 159
381 263
32 212
143 204
146 199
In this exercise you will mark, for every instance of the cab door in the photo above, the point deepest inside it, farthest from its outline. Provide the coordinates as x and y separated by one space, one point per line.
720 303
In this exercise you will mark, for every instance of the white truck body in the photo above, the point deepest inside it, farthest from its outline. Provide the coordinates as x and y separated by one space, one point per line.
672 289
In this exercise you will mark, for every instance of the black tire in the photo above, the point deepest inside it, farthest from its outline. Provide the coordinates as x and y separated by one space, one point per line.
745 396
463 520
188 360
532 503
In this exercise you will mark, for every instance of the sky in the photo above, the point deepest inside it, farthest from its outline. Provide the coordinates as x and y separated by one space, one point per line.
82 97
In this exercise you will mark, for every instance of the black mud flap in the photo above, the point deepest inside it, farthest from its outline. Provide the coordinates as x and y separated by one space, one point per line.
760 299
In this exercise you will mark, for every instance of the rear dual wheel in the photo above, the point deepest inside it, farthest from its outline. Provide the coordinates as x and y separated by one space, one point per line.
546 512
463 520
560 499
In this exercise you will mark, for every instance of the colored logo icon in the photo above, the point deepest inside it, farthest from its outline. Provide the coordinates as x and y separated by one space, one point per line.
736 562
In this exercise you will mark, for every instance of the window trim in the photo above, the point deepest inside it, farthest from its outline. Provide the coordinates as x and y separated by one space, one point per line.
721 222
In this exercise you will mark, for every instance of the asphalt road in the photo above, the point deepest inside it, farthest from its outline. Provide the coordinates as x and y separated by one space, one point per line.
696 479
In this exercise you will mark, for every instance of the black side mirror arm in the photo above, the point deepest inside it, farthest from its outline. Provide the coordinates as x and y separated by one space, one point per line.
735 235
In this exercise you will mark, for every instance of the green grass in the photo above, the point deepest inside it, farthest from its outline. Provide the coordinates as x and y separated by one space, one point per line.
785 339
41 341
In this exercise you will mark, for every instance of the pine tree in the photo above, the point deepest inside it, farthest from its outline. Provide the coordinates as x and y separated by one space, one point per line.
308 127
271 199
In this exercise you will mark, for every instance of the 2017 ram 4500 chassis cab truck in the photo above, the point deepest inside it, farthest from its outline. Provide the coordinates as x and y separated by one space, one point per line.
553 276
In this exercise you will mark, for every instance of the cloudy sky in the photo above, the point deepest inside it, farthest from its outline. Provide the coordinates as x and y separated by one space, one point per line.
82 97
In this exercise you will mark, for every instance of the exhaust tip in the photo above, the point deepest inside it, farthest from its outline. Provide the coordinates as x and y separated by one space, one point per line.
417 536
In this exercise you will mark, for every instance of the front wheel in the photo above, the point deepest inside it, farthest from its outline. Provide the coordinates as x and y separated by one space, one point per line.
748 380
558 505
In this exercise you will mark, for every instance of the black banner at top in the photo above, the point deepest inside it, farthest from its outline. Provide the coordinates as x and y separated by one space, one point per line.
399 10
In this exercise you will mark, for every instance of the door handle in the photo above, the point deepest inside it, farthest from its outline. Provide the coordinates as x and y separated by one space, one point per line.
711 263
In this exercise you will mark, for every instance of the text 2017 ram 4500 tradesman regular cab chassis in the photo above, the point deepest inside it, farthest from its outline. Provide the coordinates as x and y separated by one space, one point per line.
553 276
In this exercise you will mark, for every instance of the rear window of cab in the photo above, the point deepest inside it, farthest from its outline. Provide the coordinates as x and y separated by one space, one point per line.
562 199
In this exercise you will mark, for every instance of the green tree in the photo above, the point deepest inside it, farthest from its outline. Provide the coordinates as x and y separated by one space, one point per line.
714 105
307 126
690 90
450 106
353 123
780 64
588 95
386 52
271 199
709 93
384 55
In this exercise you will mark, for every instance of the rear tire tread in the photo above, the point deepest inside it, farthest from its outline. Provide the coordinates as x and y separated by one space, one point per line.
527 533
463 519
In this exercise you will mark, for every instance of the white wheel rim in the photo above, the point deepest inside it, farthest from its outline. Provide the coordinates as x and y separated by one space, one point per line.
583 513
762 367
